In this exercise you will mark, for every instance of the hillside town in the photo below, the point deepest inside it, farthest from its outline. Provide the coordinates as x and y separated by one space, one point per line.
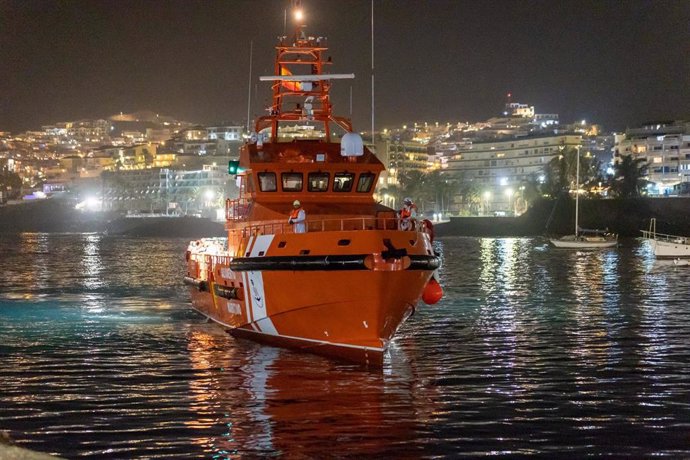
151 164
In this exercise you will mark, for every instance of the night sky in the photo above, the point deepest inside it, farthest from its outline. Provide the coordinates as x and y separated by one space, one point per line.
618 63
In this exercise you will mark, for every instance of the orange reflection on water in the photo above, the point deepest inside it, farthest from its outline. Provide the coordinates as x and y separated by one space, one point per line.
280 401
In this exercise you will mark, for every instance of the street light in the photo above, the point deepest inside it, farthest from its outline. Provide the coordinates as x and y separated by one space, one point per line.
509 195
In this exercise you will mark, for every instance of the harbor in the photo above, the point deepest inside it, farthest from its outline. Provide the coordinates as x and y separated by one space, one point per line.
532 349
393 257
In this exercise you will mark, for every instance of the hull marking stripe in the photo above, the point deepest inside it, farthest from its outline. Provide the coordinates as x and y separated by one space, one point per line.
345 345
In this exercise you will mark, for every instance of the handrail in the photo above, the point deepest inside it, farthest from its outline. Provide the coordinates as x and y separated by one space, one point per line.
651 235
238 209
206 260
328 225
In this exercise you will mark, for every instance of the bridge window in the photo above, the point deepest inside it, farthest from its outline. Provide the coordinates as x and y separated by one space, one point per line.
318 182
366 181
342 182
292 182
267 181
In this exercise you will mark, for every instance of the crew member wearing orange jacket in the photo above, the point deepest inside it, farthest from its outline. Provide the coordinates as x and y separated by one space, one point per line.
408 215
298 218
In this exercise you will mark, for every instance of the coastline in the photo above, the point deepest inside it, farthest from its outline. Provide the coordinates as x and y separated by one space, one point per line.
626 217
545 217
59 216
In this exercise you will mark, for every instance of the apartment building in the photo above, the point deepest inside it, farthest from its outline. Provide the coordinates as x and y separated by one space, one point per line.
212 141
665 147
500 167
167 190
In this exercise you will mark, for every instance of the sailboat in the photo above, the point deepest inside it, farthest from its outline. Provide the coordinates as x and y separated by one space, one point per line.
582 238
668 246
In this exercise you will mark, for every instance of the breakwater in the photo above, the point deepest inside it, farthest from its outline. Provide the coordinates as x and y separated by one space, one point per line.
553 217
60 216
557 217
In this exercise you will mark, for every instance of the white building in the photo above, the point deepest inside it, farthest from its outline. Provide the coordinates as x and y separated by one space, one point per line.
168 190
500 167
665 146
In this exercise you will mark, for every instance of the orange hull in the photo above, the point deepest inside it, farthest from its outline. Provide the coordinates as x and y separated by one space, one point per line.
348 272
350 314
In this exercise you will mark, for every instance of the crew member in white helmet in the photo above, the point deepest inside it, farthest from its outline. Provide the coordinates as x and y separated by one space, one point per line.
408 215
298 218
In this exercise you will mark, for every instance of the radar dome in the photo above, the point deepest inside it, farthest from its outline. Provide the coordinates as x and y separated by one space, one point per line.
351 145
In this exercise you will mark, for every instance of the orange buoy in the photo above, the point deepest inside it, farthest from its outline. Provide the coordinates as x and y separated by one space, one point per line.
432 292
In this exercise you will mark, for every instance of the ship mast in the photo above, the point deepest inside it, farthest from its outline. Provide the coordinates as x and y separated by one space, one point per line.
301 90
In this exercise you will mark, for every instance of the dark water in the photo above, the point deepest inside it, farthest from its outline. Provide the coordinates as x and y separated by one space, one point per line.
532 351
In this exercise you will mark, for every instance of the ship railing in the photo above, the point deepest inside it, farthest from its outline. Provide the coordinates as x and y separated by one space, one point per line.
237 209
330 225
204 263
652 235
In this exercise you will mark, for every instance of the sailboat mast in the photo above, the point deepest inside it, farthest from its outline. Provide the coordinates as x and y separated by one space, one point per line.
577 191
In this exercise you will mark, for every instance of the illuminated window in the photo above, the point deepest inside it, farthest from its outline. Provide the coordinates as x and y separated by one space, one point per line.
267 181
366 180
292 182
318 182
342 182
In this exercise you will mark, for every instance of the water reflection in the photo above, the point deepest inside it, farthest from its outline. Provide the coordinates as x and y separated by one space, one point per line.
92 266
279 402
584 351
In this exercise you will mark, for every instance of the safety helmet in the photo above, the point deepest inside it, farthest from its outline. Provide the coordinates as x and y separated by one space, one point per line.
407 200
296 203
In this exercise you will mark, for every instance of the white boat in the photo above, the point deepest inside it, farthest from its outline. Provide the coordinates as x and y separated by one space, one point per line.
667 246
584 239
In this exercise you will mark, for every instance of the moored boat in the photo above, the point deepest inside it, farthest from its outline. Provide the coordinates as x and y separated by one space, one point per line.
667 246
584 239
342 282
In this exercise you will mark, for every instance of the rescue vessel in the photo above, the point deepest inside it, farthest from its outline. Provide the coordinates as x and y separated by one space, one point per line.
341 283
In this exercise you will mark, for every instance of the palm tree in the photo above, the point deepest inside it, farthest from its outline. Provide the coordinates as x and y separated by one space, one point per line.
560 173
628 179
432 189
394 194
10 181
469 194
412 185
